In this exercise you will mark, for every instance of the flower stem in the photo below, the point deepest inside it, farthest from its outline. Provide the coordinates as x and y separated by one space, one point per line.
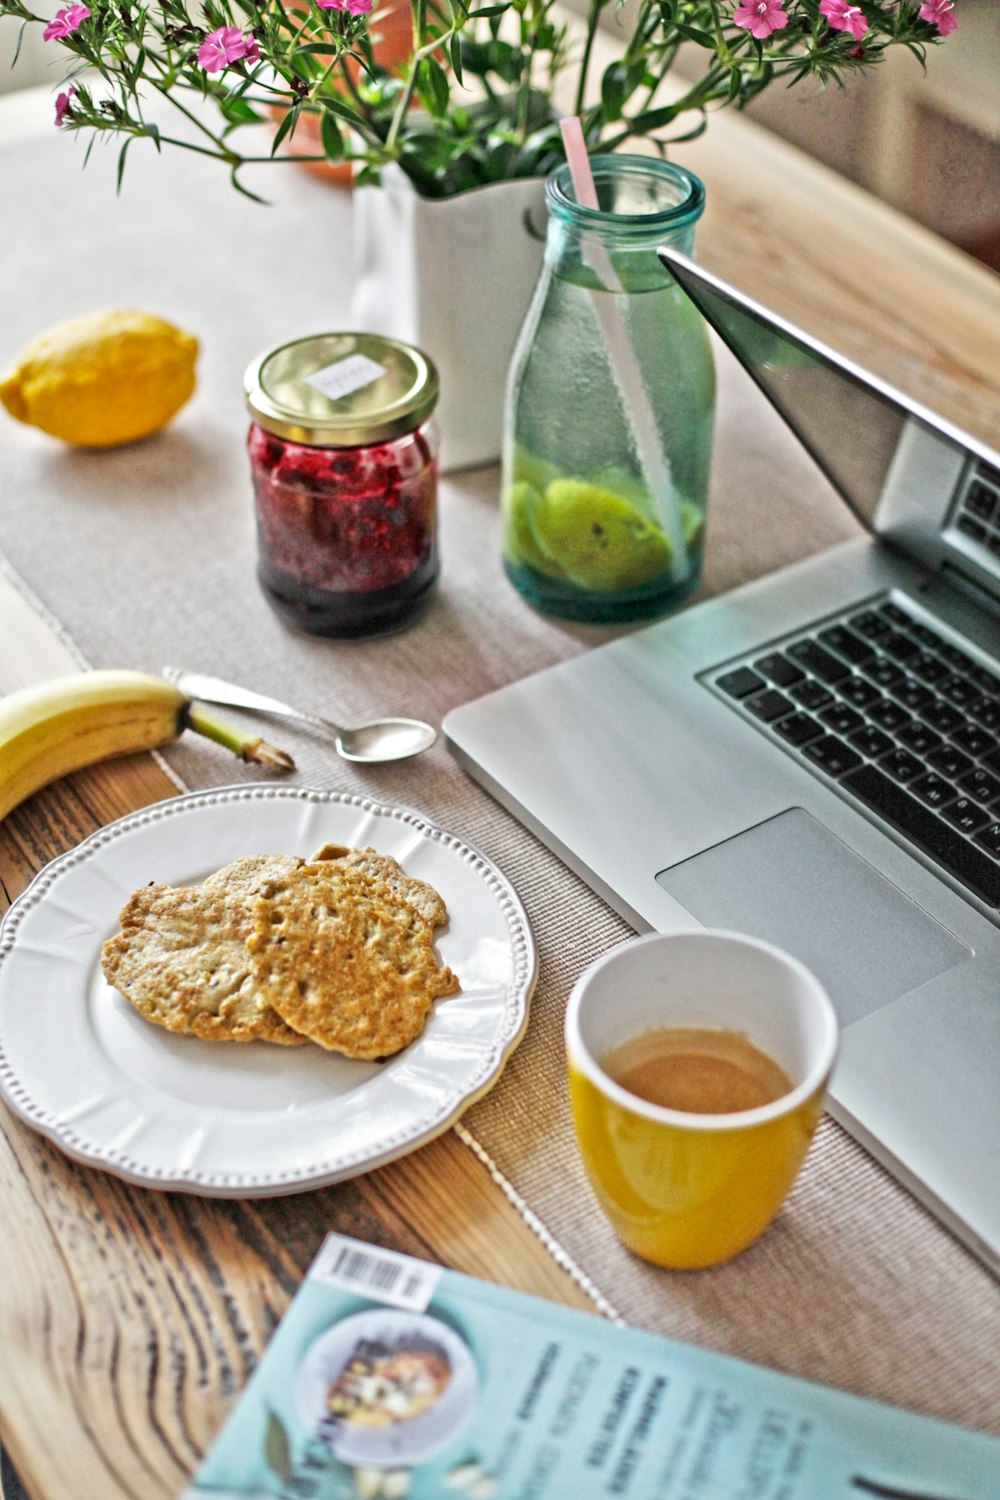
399 114
593 15
198 124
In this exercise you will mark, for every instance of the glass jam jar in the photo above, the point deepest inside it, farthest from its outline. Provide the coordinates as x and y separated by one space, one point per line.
343 451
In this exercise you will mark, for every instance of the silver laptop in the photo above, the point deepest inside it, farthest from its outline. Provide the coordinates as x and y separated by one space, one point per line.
814 758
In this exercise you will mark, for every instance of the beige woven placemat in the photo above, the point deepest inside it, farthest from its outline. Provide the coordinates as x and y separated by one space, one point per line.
146 556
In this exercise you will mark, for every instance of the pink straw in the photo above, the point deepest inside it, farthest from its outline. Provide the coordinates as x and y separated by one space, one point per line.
579 162
627 375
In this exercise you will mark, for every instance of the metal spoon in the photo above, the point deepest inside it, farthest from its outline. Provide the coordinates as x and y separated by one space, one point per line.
382 740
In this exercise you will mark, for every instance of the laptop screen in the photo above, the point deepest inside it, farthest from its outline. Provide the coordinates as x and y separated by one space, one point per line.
858 434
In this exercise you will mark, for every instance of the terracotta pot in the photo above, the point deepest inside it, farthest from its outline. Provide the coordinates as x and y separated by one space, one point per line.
393 44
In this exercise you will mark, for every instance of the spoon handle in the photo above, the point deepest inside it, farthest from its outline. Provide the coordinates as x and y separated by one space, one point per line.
215 690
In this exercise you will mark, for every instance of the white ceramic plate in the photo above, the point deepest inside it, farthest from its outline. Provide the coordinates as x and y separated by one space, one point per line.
402 1443
235 1121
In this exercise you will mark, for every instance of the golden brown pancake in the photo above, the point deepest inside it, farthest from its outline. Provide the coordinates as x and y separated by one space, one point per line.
417 892
181 959
345 961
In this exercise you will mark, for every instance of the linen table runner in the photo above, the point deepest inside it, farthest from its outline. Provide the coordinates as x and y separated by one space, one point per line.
146 556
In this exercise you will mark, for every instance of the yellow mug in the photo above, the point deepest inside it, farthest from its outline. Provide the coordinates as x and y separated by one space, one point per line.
691 1190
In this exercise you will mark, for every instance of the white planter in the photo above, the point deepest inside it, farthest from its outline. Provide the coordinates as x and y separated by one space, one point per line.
453 276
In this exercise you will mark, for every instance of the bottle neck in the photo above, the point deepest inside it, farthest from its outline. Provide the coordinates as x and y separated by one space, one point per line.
603 262
643 204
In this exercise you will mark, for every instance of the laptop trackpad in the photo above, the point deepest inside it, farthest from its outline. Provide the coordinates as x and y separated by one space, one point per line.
792 882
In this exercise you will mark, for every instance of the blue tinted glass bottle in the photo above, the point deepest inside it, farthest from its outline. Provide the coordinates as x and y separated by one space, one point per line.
610 404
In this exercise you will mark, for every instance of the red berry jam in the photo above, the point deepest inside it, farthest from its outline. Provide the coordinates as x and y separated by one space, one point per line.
347 536
343 450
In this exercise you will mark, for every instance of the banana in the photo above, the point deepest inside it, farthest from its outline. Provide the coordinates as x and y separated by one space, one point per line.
56 727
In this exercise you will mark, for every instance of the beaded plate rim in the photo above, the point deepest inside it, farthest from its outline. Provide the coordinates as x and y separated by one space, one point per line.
331 1168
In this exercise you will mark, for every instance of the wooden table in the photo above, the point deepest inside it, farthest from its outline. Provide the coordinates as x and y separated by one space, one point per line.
129 1319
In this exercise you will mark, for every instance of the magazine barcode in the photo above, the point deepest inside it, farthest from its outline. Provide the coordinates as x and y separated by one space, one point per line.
382 1275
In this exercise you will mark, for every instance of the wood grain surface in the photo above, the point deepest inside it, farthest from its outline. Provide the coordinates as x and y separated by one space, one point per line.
825 254
897 299
130 1320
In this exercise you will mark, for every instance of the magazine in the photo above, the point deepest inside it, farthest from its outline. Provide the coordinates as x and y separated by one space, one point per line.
390 1377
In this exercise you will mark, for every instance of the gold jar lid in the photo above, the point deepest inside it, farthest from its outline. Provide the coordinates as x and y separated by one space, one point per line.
341 390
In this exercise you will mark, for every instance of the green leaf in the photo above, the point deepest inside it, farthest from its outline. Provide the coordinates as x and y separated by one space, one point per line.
308 50
653 119
694 34
498 157
344 111
286 128
692 135
134 74
331 137
455 51
237 184
238 112
539 151
277 1449
17 44
508 62
121 163
436 81
614 90
475 55
301 64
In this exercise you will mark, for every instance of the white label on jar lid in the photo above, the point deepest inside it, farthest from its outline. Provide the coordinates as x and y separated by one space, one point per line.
345 376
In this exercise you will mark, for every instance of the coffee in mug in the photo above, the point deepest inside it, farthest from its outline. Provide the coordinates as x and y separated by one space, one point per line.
703 1070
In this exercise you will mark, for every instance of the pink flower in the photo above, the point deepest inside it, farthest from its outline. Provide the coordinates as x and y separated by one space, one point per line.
939 13
63 102
844 17
355 7
225 45
65 21
761 17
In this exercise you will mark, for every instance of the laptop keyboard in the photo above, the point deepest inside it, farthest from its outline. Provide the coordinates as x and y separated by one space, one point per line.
899 718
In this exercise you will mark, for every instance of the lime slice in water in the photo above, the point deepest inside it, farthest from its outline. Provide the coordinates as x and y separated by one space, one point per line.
600 540
521 540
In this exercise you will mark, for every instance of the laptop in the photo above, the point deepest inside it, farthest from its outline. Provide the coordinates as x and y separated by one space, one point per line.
814 758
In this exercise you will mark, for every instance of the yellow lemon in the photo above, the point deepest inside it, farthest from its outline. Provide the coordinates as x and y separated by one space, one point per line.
102 379
599 539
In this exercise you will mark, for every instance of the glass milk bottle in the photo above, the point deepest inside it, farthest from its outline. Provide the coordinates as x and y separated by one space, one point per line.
610 404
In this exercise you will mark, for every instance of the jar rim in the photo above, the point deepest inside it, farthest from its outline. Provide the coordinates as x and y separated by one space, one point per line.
563 203
341 389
